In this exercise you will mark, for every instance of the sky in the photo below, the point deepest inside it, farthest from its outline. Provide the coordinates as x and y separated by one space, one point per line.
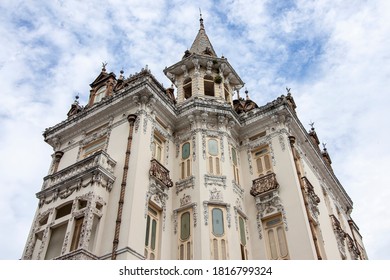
334 55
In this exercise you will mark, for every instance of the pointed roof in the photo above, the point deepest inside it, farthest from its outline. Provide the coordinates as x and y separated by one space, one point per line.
102 76
202 44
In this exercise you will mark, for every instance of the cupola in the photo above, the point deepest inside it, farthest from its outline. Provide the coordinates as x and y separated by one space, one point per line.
201 73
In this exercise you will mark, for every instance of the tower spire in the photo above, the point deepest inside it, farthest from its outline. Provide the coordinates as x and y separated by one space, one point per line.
201 19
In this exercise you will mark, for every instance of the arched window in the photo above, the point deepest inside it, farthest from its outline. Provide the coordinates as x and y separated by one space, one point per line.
262 158
276 238
208 85
218 234
213 157
185 164
185 236
152 236
243 249
235 165
100 94
187 88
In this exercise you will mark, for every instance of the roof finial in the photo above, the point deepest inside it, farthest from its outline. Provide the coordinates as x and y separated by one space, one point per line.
201 19
312 125
104 64
246 93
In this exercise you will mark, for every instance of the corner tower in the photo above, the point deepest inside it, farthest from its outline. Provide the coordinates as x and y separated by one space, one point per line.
201 73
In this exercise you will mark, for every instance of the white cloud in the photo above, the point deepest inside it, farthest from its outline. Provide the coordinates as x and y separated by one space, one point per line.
333 54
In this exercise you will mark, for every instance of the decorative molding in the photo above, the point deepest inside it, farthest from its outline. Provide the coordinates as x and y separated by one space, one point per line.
237 189
185 200
213 180
313 199
97 168
193 146
79 254
194 207
352 248
158 194
216 195
217 203
267 204
282 142
222 148
204 144
340 235
249 154
185 183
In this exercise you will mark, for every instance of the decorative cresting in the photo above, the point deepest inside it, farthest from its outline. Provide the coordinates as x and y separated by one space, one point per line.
340 235
264 184
160 173
313 199
266 192
97 168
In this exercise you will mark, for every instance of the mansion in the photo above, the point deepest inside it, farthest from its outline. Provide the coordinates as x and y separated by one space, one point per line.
189 172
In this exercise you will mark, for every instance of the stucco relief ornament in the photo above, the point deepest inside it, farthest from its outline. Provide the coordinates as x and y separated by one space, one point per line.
204 144
266 205
184 184
228 215
209 67
281 142
205 213
195 61
250 161
185 200
353 250
193 147
159 196
222 149
184 68
216 195
145 124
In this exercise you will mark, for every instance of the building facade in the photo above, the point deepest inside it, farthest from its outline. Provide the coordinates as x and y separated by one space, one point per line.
144 172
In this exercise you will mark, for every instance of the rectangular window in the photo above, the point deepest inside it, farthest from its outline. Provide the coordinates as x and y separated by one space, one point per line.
208 85
152 234
185 235
235 166
94 147
242 228
57 236
275 236
158 152
219 250
262 159
78 223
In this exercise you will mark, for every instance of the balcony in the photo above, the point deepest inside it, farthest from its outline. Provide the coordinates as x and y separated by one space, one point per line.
264 184
98 167
160 173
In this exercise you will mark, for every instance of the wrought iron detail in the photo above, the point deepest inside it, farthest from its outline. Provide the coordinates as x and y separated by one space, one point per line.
264 184
160 173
